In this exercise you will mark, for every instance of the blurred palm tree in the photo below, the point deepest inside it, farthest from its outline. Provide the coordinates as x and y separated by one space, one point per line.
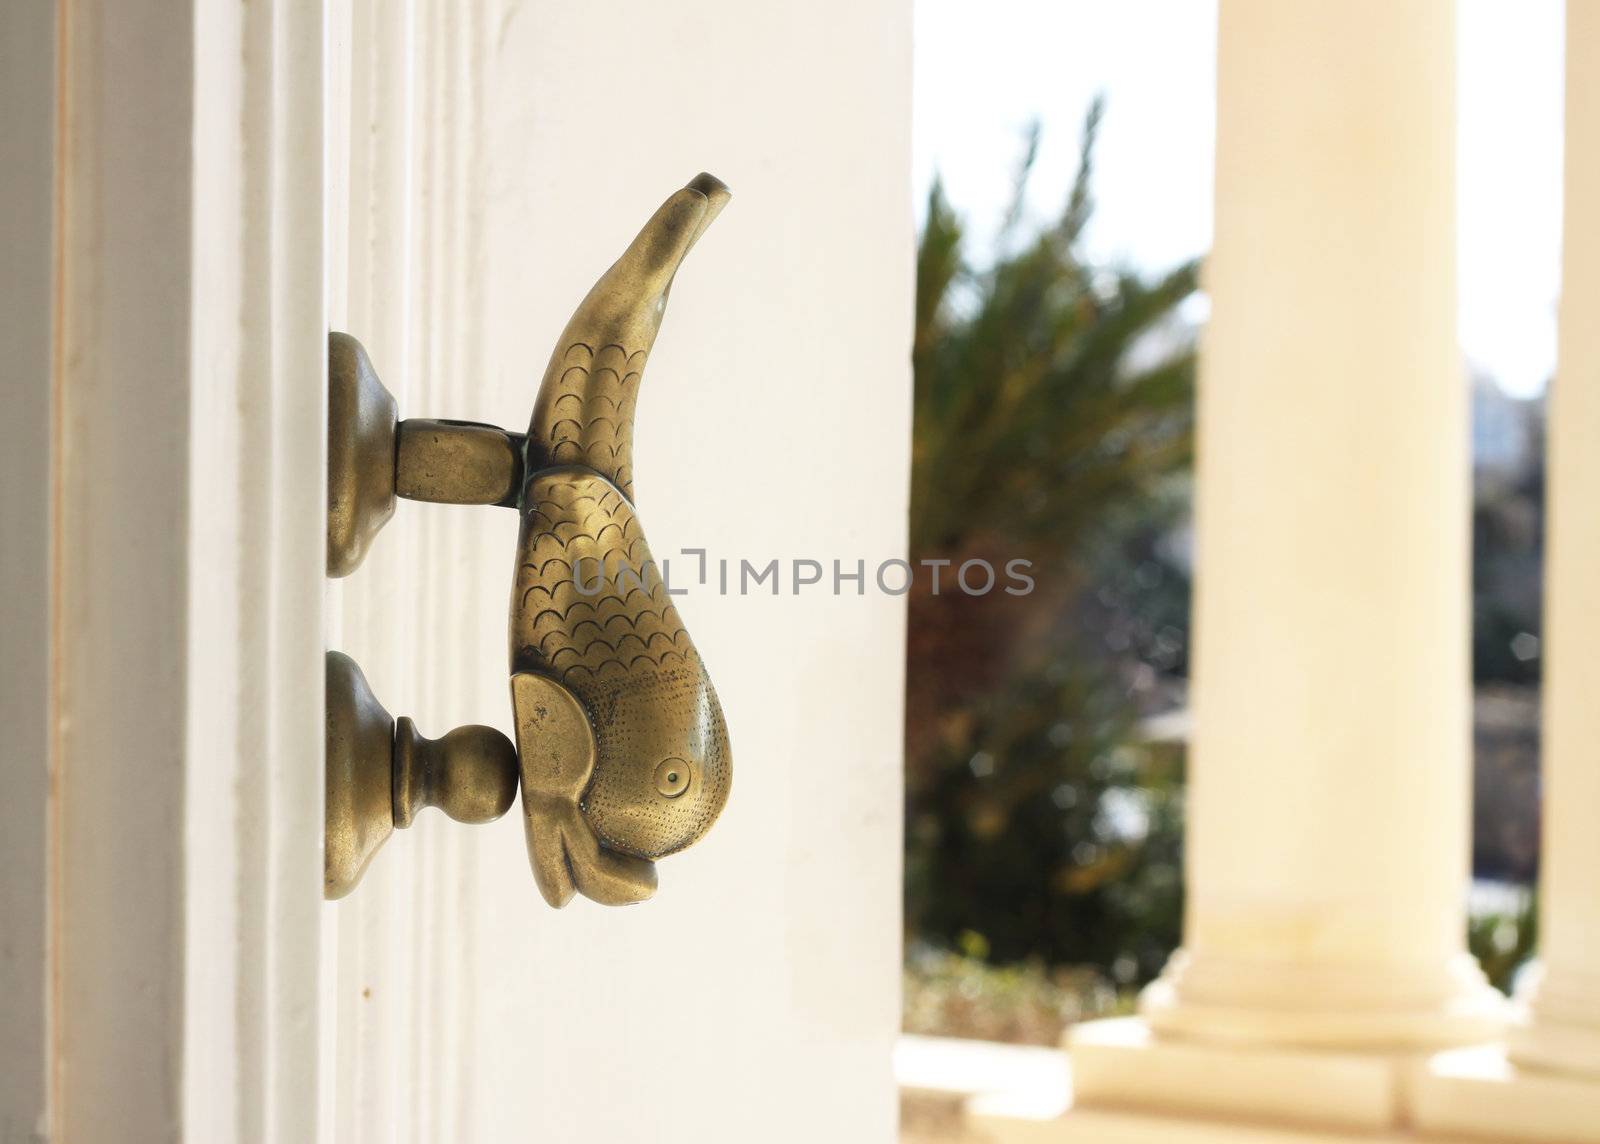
1053 423
1032 418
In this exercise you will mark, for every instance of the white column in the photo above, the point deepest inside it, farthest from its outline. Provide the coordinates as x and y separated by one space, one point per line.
1544 1084
1564 1029
1327 836
1328 812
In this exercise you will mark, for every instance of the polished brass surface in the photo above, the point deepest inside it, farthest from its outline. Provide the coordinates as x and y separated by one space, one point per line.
361 454
621 652
358 812
584 412
380 772
555 737
470 773
621 744
457 462
373 457
623 655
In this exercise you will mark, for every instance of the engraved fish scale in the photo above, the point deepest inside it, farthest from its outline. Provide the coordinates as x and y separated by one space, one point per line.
584 415
592 604
591 612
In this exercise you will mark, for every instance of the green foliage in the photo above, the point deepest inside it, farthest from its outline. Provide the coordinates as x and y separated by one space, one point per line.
962 995
1032 420
1508 537
1504 942
1053 422
1058 837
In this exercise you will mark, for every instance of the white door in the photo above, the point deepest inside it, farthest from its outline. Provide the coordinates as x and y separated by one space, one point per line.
214 189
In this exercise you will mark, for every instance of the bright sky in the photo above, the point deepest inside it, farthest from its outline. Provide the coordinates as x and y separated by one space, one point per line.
984 70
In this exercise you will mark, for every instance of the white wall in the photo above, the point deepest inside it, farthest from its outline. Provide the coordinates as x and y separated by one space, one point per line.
756 997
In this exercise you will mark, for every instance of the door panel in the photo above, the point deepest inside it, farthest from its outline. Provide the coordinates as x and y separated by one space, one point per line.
495 160
756 996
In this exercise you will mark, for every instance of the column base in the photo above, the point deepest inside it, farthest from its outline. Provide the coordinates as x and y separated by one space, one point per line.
1131 1087
1561 1030
1479 1092
1554 1046
1367 1009
1101 1126
1122 1064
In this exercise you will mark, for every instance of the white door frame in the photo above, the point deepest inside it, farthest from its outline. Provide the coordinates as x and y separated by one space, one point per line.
161 865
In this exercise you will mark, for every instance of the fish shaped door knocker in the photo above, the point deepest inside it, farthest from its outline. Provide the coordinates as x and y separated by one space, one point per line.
621 750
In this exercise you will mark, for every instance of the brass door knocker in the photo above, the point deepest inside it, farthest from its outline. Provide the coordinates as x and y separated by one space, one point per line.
621 748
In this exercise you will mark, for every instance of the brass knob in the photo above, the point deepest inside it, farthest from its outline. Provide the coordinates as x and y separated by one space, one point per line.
470 774
374 457
362 419
381 771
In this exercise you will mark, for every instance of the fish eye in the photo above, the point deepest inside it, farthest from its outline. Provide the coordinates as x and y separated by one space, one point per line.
672 778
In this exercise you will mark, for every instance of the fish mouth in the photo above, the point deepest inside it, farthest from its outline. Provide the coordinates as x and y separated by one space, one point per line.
556 747
568 859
